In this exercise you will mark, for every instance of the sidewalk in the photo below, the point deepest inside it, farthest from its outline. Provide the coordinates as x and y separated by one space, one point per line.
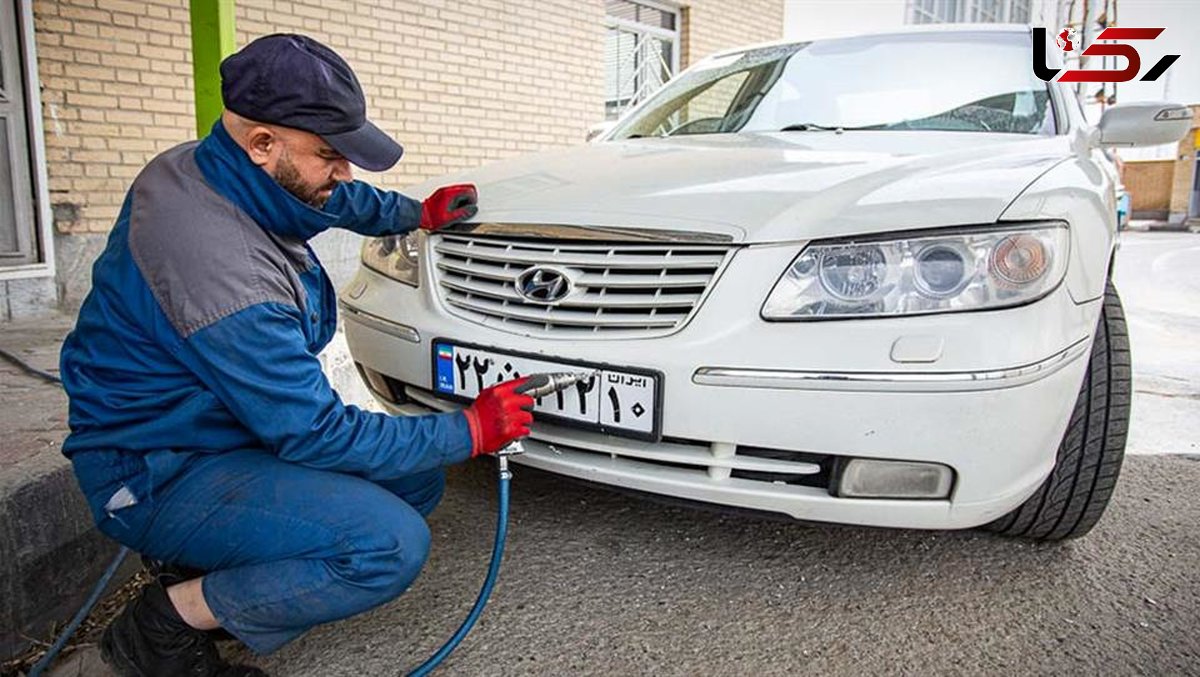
50 551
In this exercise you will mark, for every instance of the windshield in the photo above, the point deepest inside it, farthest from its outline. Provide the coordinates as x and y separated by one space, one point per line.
968 81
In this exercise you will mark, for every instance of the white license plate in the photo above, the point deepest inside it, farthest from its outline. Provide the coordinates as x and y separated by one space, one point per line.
620 400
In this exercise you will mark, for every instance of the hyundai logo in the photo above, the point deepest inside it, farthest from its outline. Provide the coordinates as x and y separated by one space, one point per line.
540 284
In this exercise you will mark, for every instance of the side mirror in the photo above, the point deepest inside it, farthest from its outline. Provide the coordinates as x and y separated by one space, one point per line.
599 129
1144 124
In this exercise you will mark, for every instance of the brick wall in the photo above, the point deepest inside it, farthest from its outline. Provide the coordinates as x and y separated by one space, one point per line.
458 83
1162 189
713 25
116 90
1149 186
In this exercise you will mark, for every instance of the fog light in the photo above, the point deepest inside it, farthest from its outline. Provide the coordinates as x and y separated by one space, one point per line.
864 478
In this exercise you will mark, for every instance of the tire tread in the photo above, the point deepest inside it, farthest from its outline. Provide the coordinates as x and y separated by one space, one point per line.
1071 500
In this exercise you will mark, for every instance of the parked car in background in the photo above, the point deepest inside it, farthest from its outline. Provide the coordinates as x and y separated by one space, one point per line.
861 280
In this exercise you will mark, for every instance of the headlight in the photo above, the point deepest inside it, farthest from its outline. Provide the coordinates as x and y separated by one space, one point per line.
965 270
395 256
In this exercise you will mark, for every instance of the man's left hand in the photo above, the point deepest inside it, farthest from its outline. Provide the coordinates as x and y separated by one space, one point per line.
449 205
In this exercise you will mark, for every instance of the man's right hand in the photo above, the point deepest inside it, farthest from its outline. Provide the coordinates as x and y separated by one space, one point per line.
449 205
498 416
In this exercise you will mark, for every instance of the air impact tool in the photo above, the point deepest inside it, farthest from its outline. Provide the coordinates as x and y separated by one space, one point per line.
537 385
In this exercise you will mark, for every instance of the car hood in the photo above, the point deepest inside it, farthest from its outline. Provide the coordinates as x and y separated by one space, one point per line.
768 187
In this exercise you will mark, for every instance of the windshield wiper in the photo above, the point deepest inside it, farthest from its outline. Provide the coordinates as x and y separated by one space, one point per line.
813 127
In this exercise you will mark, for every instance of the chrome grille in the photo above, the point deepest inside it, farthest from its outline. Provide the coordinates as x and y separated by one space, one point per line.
620 288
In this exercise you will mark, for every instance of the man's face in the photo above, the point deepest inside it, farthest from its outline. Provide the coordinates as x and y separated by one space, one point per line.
306 166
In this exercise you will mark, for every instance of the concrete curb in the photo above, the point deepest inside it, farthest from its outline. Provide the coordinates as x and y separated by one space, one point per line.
1151 225
53 556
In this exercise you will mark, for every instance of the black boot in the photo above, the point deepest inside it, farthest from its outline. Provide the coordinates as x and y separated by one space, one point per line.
168 574
150 639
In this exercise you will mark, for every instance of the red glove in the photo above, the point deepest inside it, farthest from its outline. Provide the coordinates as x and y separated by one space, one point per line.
498 416
449 205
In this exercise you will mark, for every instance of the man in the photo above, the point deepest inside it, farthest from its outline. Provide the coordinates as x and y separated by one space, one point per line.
203 431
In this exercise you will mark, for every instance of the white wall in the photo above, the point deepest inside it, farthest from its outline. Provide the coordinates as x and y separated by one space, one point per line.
809 19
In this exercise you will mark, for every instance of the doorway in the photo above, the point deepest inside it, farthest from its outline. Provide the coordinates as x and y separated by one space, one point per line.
18 224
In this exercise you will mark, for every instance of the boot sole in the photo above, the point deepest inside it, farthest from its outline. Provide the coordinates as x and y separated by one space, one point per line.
116 659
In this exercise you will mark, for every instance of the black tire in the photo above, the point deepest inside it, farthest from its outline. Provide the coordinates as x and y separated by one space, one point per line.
1074 496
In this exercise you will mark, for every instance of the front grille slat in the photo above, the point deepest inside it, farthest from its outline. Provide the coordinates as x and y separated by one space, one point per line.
495 242
656 281
618 288
476 270
578 319
504 293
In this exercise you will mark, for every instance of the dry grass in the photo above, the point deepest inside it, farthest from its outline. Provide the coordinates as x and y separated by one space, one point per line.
88 633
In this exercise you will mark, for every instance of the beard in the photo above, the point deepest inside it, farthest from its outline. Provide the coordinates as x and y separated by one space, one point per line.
288 176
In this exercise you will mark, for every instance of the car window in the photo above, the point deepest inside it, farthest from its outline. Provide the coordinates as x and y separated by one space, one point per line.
967 81
706 111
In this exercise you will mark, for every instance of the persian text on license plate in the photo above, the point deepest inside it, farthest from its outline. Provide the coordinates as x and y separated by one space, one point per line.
621 400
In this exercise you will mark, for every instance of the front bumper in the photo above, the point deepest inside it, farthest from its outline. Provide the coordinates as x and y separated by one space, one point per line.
750 408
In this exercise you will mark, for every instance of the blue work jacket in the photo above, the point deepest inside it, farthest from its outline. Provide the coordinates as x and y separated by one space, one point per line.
201 332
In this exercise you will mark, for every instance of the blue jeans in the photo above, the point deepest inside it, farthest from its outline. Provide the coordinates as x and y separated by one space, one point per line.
287 547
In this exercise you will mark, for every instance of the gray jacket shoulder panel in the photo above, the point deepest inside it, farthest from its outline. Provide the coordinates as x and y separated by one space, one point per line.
202 257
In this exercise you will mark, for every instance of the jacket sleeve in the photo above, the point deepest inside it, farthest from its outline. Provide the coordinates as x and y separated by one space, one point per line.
367 210
257 363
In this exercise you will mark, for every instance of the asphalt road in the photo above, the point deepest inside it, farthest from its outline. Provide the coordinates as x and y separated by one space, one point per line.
602 583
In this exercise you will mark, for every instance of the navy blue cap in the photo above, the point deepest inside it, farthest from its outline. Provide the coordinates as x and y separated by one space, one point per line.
294 81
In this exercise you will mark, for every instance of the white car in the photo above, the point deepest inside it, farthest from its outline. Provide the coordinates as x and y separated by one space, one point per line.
862 280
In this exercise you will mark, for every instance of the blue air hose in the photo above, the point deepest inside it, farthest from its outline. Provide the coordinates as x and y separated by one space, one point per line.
534 385
486 591
84 610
